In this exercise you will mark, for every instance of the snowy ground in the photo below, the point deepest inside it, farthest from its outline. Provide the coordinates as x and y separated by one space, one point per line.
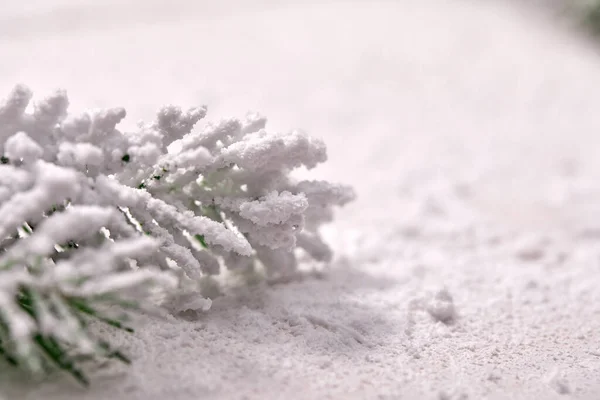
468 267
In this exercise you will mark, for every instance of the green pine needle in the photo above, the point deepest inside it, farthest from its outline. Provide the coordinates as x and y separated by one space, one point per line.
58 354
80 305
200 238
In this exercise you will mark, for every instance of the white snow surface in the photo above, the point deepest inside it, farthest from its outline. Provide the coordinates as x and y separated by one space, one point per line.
468 267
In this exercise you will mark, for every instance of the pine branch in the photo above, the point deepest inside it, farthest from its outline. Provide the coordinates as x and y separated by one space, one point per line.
92 217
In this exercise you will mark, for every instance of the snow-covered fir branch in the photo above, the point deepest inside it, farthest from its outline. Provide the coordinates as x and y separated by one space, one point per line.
92 215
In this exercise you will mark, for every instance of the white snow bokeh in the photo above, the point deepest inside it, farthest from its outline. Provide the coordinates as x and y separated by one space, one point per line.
469 265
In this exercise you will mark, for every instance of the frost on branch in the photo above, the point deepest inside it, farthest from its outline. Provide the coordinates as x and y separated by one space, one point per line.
222 192
88 210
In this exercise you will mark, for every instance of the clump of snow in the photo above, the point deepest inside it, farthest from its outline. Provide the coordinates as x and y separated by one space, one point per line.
558 382
441 307
531 248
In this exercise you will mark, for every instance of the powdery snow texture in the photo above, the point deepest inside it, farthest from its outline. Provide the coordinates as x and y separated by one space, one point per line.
468 266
